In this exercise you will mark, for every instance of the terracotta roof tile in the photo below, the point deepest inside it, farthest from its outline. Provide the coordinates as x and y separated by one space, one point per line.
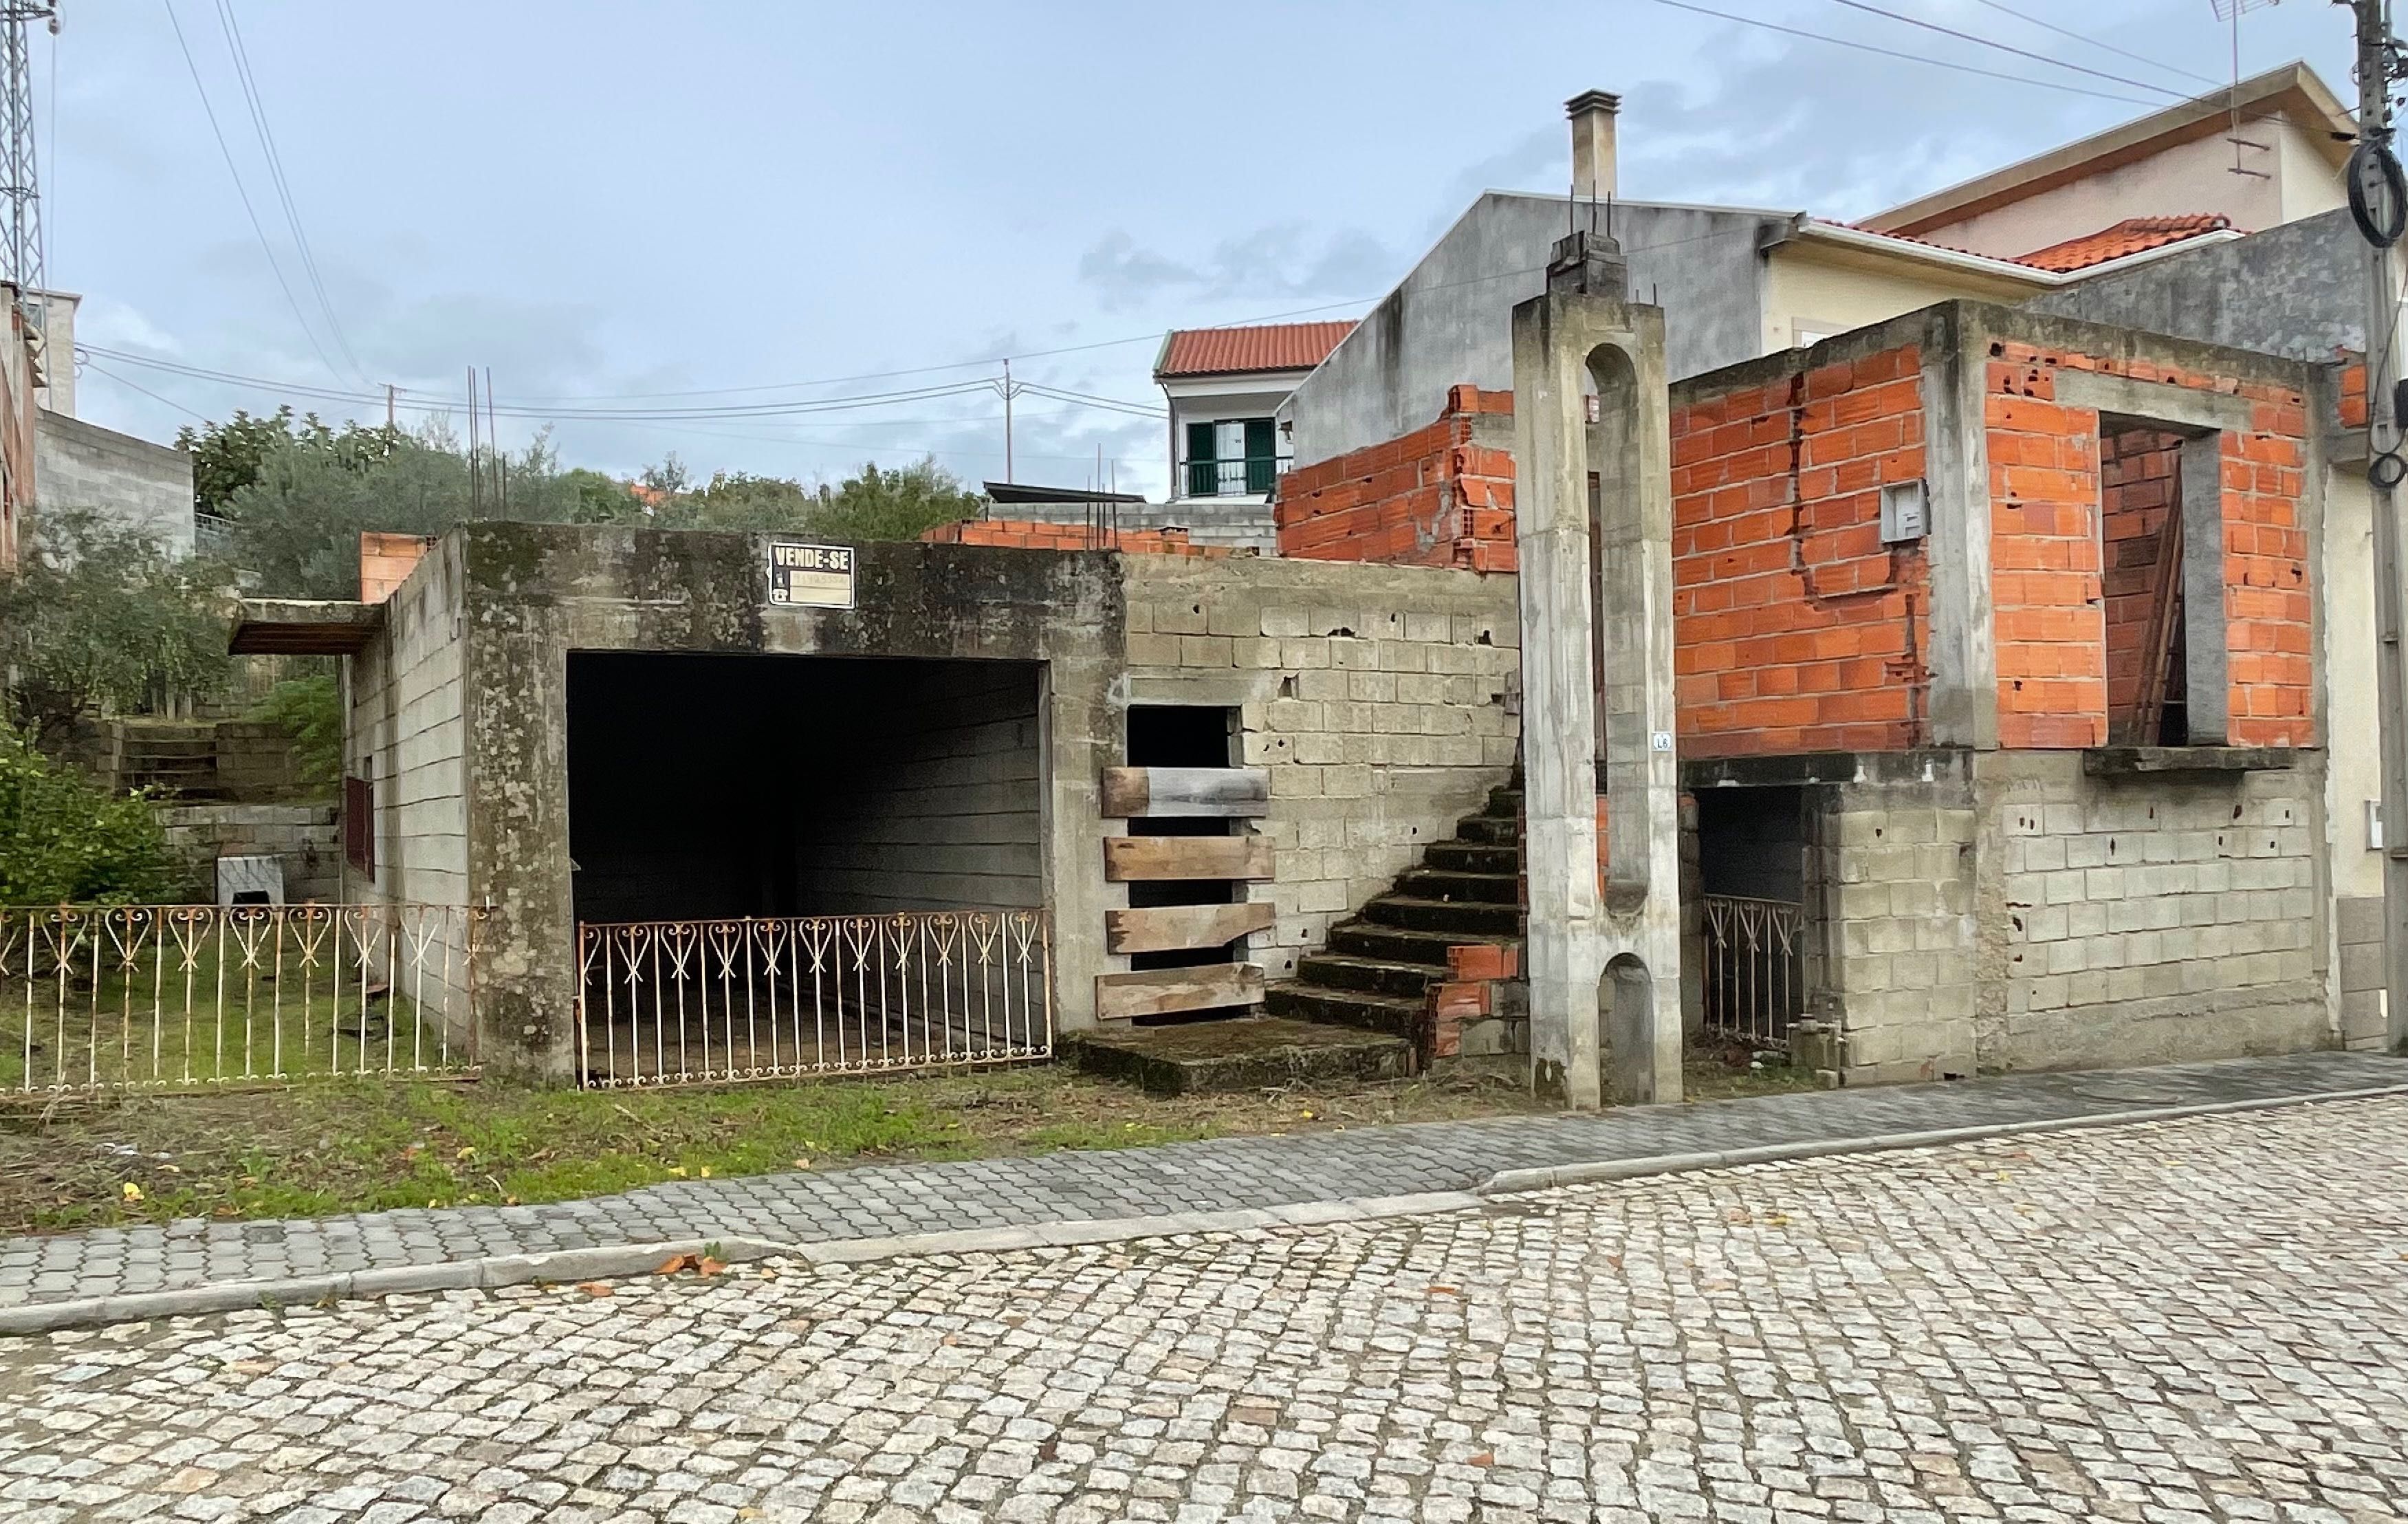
2129 237
1231 352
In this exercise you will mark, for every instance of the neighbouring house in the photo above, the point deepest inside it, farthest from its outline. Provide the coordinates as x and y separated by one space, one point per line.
1227 390
1736 282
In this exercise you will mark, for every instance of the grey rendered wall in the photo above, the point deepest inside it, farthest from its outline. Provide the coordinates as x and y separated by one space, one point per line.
2297 290
1447 323
534 593
943 810
136 483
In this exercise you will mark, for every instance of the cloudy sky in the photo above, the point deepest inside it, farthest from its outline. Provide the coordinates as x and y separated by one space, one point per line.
714 213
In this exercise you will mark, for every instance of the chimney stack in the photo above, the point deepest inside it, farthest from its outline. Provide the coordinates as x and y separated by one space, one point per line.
1593 112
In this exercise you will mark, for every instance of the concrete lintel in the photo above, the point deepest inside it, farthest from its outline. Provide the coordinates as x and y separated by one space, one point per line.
1923 765
2134 761
304 626
2175 409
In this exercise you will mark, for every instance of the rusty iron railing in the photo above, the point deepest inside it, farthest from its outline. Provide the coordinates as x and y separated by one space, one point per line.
100 998
685 1002
1752 979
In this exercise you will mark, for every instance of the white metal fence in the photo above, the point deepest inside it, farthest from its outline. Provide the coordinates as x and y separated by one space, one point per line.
193 997
1752 979
671 1002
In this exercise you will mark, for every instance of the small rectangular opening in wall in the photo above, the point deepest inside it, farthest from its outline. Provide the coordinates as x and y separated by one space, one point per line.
1183 736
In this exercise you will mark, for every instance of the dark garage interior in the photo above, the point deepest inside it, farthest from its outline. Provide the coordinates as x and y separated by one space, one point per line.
707 786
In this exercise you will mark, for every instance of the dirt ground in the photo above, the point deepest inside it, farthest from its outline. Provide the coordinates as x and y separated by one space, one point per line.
330 1146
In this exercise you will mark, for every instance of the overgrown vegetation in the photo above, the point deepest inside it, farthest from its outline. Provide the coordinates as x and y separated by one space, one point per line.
62 840
311 711
298 493
98 616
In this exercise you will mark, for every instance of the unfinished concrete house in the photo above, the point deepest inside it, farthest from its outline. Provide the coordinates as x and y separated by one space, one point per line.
742 806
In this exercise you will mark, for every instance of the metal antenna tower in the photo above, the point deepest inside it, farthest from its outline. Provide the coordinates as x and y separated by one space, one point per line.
20 179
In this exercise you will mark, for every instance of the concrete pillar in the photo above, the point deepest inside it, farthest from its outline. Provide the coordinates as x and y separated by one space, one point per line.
1596 588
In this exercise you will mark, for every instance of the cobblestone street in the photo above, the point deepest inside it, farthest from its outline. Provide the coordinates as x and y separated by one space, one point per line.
2182 1320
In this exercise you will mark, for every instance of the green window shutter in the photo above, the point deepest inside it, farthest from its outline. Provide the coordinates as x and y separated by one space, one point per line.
1262 447
1202 472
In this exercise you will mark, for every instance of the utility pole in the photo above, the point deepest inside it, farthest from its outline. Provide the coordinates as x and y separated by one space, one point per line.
1007 421
388 404
2374 77
20 234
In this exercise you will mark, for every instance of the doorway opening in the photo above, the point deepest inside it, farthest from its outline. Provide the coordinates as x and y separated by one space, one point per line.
1752 887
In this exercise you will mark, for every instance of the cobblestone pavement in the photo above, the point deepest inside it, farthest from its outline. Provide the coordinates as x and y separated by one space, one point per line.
2177 1321
879 1200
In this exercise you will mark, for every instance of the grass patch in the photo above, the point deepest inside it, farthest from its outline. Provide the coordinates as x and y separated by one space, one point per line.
353 1146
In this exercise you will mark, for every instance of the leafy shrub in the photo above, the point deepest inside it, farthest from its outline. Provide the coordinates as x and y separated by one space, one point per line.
311 711
63 840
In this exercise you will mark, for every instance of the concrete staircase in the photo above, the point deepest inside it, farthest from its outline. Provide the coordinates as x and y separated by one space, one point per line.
1380 967
177 758
1365 1008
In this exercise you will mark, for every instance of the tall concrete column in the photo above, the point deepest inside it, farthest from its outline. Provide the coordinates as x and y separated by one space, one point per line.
1597 637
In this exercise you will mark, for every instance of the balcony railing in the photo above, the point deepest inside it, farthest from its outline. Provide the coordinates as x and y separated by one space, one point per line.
1243 476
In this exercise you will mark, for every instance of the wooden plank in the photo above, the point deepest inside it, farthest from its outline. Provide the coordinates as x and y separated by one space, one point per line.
1158 992
1130 857
1190 793
1178 928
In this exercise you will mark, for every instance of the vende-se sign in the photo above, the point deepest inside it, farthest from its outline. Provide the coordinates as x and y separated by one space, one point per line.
816 576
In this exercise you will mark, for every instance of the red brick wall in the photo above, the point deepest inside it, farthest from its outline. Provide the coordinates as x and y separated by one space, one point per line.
2050 601
1796 630
1432 497
2139 486
1037 535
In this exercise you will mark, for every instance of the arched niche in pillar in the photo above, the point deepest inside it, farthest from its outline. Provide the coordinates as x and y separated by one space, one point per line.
1626 1016
1616 445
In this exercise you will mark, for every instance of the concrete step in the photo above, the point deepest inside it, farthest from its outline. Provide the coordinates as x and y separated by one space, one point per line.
1467 917
1500 831
1394 1015
1505 801
1474 857
1456 884
1242 1053
1401 944
1369 975
202 748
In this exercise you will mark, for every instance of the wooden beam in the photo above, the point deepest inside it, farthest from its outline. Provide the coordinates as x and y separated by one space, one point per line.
1210 793
1130 857
1157 992
1179 928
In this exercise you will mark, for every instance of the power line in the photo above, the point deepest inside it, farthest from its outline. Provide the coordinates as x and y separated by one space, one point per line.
250 83
1911 58
265 248
2095 42
2004 47
102 370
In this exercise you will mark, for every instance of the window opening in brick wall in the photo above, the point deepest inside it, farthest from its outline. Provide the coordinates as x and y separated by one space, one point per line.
2141 556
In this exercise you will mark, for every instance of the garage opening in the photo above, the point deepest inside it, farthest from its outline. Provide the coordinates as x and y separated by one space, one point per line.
789 865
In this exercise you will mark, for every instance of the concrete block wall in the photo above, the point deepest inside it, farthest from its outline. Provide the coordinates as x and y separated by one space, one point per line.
129 481
1380 699
408 738
254 760
2359 927
2149 919
942 808
1890 965
307 839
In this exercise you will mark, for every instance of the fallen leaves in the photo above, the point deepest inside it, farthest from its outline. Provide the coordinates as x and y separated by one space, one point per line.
133 1192
1485 1459
700 1264
596 1288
